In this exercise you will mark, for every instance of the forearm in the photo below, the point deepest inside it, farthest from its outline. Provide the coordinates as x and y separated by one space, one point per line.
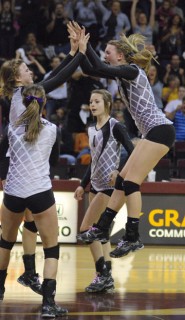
63 75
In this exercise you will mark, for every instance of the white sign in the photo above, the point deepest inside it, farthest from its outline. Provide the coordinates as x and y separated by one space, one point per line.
67 210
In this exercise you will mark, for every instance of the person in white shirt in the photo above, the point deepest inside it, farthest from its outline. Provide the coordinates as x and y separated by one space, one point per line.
56 98
173 106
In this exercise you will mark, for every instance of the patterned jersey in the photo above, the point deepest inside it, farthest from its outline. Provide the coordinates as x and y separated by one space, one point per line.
142 106
134 88
17 107
28 171
105 154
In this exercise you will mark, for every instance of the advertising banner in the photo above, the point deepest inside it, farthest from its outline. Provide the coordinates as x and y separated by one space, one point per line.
162 220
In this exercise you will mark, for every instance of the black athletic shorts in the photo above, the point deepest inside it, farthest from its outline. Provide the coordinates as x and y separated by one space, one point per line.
36 203
108 192
164 134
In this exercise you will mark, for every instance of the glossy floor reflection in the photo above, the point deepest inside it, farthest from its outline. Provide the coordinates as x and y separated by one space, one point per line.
149 286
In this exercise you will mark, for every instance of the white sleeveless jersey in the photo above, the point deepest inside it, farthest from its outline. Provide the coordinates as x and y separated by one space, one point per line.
28 172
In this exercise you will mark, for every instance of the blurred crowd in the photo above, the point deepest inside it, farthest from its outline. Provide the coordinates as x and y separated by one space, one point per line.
36 31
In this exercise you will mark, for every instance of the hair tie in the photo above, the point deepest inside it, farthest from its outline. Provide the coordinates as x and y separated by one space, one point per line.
31 98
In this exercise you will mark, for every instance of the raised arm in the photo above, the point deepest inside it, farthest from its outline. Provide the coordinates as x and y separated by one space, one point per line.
152 14
74 48
133 13
124 71
88 69
65 73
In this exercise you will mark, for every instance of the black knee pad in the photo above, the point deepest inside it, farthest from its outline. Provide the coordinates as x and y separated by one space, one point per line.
6 244
131 187
120 183
52 252
31 226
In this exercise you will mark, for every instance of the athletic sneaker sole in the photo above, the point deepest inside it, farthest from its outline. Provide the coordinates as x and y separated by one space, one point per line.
133 249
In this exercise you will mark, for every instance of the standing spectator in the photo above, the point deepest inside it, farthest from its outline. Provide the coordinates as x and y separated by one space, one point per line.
140 23
80 87
176 9
28 19
57 29
114 22
171 40
156 85
86 14
7 29
163 14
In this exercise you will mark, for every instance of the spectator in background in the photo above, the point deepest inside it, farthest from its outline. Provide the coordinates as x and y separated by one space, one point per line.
65 138
28 19
156 85
170 91
56 98
69 8
171 40
163 14
140 23
114 22
117 105
179 121
32 48
80 87
7 29
87 15
174 68
59 117
56 29
81 148
176 9
111 86
174 105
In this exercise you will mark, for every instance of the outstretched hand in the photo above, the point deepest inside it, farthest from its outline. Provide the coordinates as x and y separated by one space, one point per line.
84 38
74 39
77 36
74 28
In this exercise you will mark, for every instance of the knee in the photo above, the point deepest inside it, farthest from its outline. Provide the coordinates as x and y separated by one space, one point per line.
31 226
52 252
120 184
131 187
6 244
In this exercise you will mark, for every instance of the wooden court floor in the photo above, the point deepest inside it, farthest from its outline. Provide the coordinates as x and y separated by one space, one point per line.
149 285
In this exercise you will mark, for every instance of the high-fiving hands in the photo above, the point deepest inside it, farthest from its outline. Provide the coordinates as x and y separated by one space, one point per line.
78 38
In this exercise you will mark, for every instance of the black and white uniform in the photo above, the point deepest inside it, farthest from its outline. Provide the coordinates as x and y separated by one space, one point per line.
29 163
105 145
137 95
